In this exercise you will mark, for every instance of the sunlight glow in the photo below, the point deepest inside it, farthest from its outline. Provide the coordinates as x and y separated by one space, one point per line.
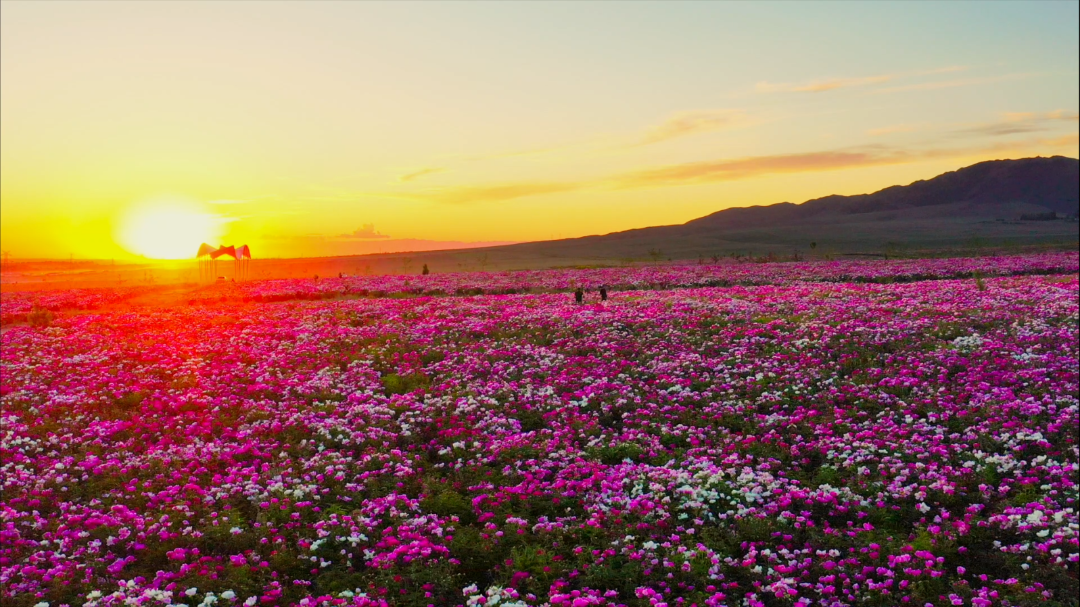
166 229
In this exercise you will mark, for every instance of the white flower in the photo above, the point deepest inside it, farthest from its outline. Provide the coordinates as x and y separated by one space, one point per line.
228 595
967 343
191 591
251 601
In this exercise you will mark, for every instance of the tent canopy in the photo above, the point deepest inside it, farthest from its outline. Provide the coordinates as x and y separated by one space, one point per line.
223 250
241 252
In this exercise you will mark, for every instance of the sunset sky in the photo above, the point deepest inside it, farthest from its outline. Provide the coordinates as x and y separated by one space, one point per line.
307 128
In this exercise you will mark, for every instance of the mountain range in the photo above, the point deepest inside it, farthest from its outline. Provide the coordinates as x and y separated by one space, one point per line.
998 204
994 203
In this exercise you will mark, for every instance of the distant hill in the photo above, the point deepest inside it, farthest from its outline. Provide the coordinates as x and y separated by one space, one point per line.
995 203
987 189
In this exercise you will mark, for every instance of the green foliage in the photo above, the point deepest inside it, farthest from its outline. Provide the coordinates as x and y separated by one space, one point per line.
403 384
612 455
448 503
531 420
479 557
39 317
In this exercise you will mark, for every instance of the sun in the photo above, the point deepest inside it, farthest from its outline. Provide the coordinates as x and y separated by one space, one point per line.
166 229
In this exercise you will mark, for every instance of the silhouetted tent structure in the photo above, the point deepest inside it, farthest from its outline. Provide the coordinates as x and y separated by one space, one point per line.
243 261
208 255
206 262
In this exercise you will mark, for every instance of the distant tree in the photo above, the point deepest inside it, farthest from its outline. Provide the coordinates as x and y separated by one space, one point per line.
39 317
813 245
655 254
979 283
715 258
425 271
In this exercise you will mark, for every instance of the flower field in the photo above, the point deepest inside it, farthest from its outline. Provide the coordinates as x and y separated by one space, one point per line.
723 274
14 307
808 435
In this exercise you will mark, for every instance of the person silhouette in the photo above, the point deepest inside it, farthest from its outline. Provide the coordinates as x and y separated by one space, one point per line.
579 295
603 293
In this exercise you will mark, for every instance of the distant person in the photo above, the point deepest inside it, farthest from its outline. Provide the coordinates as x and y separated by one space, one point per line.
579 295
603 293
425 271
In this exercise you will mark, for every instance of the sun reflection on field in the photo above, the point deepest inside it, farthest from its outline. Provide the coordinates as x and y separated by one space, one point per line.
166 229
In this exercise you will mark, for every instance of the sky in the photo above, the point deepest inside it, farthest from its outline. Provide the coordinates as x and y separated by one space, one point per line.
311 128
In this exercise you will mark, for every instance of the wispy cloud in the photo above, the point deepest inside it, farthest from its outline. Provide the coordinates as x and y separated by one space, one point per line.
364 232
693 122
827 160
421 173
1012 123
1009 123
539 151
945 84
888 130
742 168
680 174
831 84
1072 140
820 86
491 193
733 169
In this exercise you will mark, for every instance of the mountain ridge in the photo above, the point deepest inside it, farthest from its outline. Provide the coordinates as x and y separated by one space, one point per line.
1051 182
982 201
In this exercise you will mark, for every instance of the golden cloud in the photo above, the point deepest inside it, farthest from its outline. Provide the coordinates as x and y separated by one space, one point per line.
742 168
820 86
692 123
1021 122
1072 140
421 173
888 130
732 169
945 84
831 84
491 193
